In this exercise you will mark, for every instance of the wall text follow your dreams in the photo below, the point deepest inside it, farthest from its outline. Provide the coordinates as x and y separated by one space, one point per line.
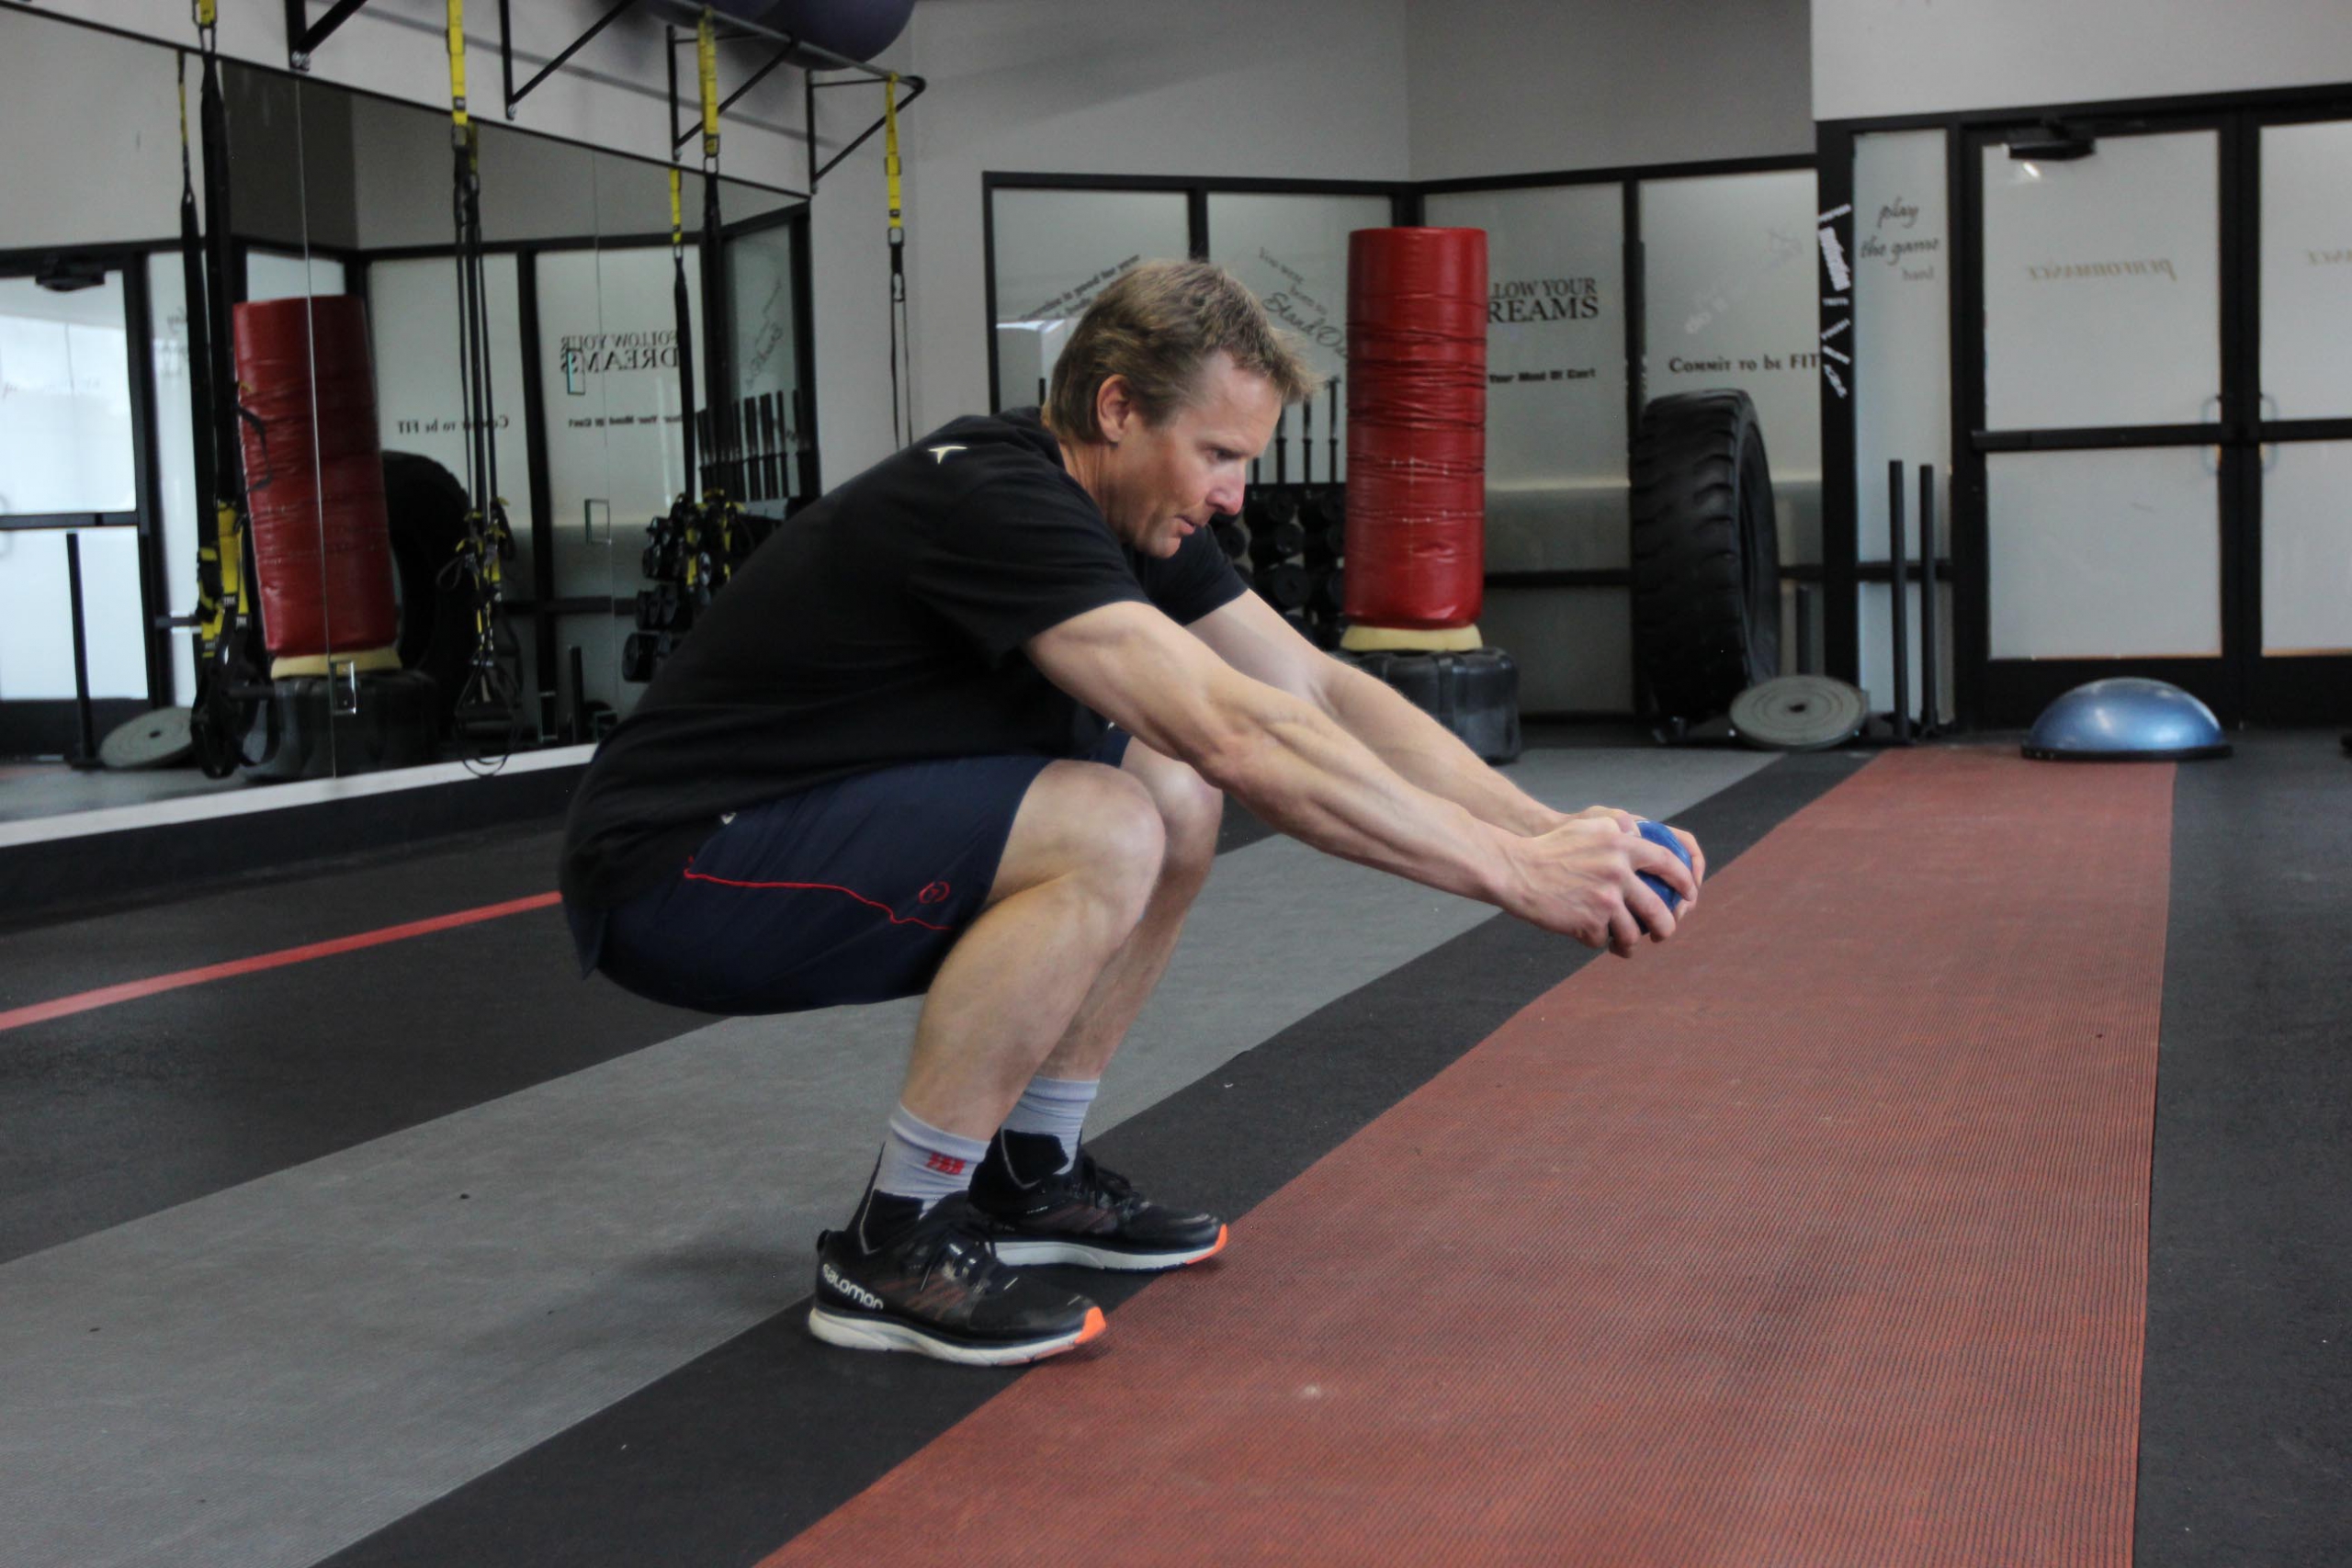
1521 299
594 353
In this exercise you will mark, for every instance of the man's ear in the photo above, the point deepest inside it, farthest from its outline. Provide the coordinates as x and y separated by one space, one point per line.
1115 409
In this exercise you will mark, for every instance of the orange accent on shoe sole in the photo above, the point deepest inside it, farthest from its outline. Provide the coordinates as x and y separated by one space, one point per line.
1095 1325
1222 1231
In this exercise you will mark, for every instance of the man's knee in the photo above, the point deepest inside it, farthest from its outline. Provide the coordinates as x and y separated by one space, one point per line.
1093 825
1190 807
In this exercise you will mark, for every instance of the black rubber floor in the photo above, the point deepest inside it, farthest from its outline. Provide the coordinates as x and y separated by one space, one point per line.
2245 1437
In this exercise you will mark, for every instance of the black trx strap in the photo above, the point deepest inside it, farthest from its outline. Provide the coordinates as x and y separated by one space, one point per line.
200 368
228 659
685 332
901 338
489 702
717 398
712 551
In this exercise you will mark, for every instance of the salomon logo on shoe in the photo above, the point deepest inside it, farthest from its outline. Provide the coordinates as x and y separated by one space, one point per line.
851 1289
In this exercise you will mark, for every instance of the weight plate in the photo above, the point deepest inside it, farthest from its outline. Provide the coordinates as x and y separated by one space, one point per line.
157 740
1798 713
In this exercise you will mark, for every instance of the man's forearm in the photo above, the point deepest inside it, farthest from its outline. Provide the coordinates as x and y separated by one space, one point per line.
1428 754
1299 771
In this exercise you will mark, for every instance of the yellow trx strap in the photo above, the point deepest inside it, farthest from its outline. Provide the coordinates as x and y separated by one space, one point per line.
458 67
677 215
706 64
901 339
227 556
890 165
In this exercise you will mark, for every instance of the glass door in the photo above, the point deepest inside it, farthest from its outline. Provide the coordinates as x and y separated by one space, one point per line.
2160 449
2103 469
2300 484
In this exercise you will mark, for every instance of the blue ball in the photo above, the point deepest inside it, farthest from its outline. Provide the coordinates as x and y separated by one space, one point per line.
1658 833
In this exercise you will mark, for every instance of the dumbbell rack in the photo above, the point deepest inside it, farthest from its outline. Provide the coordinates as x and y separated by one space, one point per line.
1290 540
691 553
1289 545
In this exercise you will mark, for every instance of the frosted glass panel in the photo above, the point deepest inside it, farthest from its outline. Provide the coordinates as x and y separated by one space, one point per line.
2307 270
64 399
270 274
1902 332
1054 250
1293 253
2101 555
1731 303
2102 285
37 614
1555 373
413 320
174 457
767 367
616 458
2307 548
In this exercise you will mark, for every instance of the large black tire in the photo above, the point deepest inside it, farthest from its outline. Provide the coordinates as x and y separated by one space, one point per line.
1706 554
426 507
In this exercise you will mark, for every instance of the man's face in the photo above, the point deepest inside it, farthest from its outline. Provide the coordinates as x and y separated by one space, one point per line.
1163 484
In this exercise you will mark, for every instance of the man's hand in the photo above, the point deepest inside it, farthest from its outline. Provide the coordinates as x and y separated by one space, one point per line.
1583 880
1632 824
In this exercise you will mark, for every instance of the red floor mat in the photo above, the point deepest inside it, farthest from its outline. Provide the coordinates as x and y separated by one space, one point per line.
1818 1237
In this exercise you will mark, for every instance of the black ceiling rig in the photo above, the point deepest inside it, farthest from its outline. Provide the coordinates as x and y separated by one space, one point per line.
843 70
303 37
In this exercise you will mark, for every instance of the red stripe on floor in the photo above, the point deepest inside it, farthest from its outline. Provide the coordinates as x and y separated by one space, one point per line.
1817 1237
131 990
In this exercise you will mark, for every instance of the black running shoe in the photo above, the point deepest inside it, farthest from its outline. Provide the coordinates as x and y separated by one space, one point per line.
1086 1214
936 1287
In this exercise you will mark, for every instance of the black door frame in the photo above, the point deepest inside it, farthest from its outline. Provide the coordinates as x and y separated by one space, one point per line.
2010 691
2243 684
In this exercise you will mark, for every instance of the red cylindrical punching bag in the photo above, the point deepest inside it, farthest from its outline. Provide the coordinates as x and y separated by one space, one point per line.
314 476
1416 427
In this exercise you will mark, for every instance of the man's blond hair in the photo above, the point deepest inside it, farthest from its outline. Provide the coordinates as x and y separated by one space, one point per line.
1157 325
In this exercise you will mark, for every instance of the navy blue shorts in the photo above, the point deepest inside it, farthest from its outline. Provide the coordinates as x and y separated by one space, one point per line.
851 892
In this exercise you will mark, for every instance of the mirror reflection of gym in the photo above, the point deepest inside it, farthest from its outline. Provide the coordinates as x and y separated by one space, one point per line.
355 627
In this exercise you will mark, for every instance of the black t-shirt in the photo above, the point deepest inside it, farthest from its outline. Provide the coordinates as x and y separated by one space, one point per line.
883 624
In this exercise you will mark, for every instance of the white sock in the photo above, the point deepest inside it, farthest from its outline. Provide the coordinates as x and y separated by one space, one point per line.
1055 1108
922 1162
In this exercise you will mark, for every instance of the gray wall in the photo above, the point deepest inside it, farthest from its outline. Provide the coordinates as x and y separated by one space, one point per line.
1514 86
114 97
1296 88
1890 57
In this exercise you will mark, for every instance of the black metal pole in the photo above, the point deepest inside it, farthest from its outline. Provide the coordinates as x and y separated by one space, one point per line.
1899 608
1333 435
804 449
86 754
1931 656
579 697
1804 628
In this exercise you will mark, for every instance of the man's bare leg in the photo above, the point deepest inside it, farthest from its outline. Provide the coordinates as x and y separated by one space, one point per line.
1081 868
1189 809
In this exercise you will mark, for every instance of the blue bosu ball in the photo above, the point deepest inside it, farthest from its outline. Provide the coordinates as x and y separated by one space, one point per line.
2127 719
